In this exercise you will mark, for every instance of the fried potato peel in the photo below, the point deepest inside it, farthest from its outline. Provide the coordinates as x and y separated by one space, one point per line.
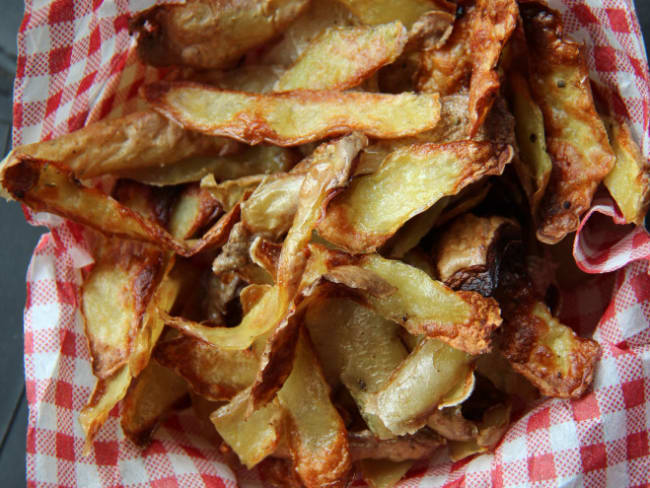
253 437
628 182
106 394
45 186
418 386
548 353
202 34
139 140
151 396
293 118
364 445
343 57
256 160
374 12
494 22
315 431
214 373
531 138
575 135
423 306
127 273
409 181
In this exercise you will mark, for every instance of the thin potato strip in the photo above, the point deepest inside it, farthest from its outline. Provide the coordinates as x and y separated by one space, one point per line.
409 181
106 394
293 118
139 140
192 210
364 445
253 437
629 182
45 186
531 138
256 160
316 433
494 23
342 58
203 34
465 320
151 396
374 12
213 373
418 386
575 136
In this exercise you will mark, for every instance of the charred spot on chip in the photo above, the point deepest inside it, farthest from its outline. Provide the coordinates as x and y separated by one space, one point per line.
533 138
20 178
567 205
561 84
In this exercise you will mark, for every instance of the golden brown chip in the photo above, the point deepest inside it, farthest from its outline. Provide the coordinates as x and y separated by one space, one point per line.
205 34
548 353
229 192
344 57
125 273
316 434
319 16
151 396
106 394
191 212
628 182
495 21
418 385
531 138
139 140
409 181
373 12
255 160
293 118
213 373
46 186
253 437
575 136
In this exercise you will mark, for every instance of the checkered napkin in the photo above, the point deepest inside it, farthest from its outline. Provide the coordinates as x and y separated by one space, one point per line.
76 65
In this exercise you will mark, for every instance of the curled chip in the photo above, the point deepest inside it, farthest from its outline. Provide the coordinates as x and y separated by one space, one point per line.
151 396
629 181
408 182
575 136
203 34
292 118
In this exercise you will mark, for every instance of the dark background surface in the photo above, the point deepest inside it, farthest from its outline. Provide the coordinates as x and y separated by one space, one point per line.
18 241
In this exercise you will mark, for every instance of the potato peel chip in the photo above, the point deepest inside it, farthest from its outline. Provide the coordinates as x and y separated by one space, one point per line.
139 140
576 138
292 118
341 58
214 373
374 12
629 181
409 181
316 434
152 395
203 35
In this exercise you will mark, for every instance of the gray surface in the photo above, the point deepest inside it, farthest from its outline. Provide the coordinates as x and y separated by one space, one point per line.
16 247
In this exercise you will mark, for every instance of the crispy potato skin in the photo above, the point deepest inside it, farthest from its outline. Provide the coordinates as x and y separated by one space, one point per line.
142 139
126 272
575 136
364 445
524 346
293 118
210 33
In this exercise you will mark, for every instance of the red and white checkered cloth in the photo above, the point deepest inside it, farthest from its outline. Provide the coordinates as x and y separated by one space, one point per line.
76 65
